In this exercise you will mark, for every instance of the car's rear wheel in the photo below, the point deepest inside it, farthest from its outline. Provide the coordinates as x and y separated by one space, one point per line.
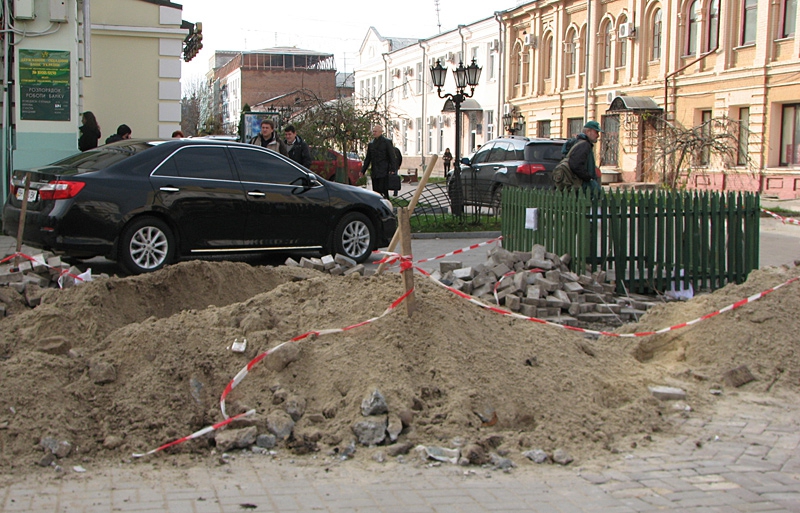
354 236
146 245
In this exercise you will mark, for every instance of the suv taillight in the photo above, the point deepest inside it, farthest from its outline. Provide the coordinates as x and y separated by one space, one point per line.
529 169
60 190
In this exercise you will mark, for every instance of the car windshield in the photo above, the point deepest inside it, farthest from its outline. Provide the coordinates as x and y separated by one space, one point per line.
101 158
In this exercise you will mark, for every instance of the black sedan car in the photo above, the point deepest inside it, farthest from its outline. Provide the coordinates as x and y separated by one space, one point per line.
507 161
147 203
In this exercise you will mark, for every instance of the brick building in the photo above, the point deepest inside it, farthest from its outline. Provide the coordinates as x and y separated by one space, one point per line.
268 77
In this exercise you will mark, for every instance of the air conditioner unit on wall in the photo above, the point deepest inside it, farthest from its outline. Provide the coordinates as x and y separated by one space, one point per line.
569 47
530 40
626 30
440 120
493 45
409 71
396 73
611 95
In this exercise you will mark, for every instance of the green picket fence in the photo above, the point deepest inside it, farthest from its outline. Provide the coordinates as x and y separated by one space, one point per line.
650 240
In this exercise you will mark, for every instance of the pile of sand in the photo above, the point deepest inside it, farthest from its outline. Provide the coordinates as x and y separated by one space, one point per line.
167 336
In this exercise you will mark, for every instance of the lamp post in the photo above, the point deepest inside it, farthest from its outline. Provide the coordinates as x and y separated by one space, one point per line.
468 76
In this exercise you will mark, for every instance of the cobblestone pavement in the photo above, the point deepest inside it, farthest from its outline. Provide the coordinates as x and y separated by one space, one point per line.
745 457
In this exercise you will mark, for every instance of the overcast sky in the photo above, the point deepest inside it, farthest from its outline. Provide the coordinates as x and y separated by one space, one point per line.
322 25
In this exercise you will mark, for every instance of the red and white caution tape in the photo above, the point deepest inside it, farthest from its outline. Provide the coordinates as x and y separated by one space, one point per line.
784 220
501 311
196 434
36 261
456 252
316 333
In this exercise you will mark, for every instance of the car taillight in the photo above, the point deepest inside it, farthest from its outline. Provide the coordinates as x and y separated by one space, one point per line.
60 190
529 169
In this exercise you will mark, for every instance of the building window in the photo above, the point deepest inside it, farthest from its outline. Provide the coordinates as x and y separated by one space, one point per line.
790 135
490 64
418 141
609 143
607 45
622 48
705 155
441 140
574 126
789 13
569 53
489 125
657 25
749 18
420 78
548 59
744 136
691 29
712 41
543 128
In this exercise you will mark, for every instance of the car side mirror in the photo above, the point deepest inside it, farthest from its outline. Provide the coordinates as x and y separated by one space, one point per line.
465 160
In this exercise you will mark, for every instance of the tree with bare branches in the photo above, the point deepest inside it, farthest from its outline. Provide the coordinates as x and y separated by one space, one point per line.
680 151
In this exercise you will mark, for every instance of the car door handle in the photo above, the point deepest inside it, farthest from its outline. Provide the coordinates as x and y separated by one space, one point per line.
169 189
256 194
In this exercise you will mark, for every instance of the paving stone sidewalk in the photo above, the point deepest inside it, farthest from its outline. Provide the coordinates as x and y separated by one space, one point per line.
745 457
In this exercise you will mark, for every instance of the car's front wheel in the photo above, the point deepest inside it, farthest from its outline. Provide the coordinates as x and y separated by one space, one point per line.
146 245
354 236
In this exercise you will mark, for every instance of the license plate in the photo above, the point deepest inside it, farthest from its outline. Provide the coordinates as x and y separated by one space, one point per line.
33 194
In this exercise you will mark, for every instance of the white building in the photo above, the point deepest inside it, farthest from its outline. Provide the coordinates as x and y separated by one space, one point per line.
394 75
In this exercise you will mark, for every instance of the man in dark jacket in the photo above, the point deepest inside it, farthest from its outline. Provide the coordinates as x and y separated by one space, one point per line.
123 132
297 147
581 157
380 154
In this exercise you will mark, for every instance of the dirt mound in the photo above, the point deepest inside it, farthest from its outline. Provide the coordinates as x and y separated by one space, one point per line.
762 335
159 346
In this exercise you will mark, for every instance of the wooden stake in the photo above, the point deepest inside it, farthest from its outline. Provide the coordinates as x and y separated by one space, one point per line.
22 214
411 206
408 274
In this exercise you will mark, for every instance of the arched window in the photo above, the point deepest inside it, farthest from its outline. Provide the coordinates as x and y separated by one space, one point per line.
691 29
606 34
657 26
712 34
548 58
569 53
622 46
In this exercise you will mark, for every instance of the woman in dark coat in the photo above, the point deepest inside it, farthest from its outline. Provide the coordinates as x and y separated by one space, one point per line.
90 132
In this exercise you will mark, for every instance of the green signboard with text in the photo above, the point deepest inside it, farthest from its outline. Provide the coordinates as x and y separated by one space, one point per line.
44 85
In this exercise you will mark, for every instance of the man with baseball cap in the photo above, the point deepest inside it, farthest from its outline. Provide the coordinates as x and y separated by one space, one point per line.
581 156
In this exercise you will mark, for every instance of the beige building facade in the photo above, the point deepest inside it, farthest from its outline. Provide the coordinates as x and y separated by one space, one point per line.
687 61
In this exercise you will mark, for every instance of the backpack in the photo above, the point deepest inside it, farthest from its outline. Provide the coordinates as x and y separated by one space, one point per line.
398 157
563 177
568 144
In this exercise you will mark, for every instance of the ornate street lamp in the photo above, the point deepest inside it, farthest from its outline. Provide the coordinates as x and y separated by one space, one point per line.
468 76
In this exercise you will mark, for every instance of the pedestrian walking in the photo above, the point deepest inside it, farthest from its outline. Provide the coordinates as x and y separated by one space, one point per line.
123 132
578 169
380 155
296 147
447 158
268 139
90 132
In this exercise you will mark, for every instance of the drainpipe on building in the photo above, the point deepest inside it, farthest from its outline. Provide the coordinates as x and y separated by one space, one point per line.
386 60
586 61
501 90
5 145
425 137
87 38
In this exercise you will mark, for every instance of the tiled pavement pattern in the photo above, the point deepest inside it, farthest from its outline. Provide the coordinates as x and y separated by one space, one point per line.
745 458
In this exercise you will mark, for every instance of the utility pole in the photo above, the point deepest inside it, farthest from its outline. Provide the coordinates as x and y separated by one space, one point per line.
438 18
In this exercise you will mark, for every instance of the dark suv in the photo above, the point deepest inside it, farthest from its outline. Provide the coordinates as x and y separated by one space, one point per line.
513 160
